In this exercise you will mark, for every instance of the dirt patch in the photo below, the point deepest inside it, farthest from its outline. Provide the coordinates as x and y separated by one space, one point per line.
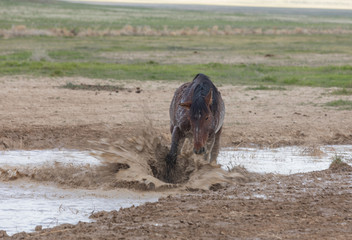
94 87
36 114
339 165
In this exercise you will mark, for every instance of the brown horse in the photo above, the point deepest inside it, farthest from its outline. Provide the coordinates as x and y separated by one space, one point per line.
197 110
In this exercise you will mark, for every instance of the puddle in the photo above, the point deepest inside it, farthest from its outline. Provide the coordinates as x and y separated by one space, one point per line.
26 204
284 160
47 157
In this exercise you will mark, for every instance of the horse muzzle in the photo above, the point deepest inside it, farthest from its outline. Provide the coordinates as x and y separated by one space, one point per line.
199 151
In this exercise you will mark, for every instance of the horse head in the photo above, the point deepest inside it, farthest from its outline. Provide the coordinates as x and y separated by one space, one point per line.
201 119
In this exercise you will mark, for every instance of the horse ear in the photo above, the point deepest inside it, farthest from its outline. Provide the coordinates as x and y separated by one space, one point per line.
186 105
209 97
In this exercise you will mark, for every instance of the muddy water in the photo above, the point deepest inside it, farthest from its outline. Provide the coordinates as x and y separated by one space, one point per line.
51 187
52 156
284 160
26 204
23 206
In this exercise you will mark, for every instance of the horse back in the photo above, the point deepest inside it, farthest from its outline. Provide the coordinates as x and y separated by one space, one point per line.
217 107
178 115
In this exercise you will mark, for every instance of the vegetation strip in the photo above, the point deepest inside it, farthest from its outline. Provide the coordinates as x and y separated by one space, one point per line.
342 91
330 76
340 104
43 41
128 30
49 14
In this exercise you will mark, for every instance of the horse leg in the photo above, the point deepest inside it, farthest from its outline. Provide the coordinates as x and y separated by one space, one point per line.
210 145
172 155
216 147
175 139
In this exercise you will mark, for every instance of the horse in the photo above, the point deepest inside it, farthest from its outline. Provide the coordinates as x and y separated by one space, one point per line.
196 111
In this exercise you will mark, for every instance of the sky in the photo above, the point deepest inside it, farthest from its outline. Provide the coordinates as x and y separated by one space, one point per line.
325 4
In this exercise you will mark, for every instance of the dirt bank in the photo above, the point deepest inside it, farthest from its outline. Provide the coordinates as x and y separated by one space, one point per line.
36 113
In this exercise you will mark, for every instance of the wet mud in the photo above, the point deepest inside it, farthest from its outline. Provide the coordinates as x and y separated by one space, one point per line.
204 199
301 206
138 162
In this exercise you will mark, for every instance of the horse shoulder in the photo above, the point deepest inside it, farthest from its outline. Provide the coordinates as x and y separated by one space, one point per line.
220 114
178 114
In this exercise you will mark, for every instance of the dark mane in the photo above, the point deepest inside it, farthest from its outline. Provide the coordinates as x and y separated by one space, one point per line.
198 105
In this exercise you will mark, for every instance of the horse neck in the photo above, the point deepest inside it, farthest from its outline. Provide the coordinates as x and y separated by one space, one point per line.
206 82
198 99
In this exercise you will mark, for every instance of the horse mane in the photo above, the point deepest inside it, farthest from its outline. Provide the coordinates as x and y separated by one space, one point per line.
198 105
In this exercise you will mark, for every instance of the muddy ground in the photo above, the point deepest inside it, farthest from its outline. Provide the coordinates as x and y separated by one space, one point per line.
36 113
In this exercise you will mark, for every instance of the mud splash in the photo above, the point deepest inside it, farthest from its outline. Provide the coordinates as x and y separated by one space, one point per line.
134 163
140 161
48 186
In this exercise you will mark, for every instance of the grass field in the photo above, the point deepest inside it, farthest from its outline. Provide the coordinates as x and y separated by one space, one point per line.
238 46
44 14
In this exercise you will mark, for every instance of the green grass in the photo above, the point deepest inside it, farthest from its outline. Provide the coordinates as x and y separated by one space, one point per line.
338 163
297 59
70 55
285 48
221 73
262 87
336 160
340 104
39 14
343 91
16 56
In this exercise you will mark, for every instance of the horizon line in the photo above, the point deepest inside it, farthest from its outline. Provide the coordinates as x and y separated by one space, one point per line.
332 6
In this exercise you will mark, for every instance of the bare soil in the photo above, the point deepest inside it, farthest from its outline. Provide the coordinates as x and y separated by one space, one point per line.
204 202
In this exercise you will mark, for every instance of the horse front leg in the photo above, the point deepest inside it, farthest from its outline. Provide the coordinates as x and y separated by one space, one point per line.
175 139
174 150
216 147
210 144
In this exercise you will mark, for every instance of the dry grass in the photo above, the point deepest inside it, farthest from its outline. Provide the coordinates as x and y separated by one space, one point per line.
128 30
